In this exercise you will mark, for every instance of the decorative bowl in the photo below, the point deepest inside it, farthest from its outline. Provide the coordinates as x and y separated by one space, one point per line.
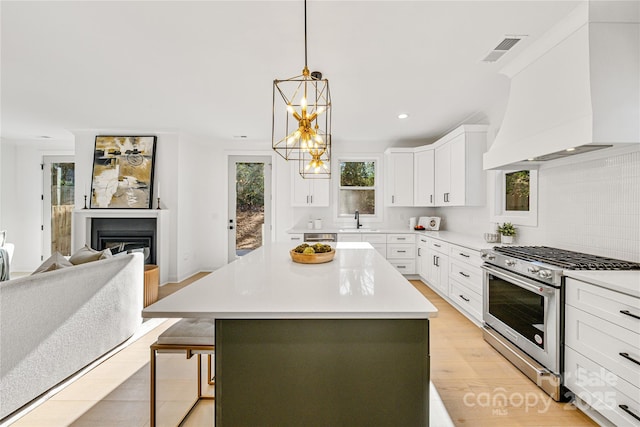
317 258
491 237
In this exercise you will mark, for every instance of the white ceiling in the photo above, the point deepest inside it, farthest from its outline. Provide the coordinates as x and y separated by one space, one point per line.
207 67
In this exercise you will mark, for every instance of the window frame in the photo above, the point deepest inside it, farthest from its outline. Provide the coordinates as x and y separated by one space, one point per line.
365 218
497 204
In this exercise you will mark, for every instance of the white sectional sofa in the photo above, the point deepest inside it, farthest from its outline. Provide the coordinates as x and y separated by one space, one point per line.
55 323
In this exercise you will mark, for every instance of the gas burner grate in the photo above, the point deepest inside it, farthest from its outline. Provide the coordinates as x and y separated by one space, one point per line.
568 260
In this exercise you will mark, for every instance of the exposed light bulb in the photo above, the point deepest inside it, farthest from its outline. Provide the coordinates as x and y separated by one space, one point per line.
290 108
403 116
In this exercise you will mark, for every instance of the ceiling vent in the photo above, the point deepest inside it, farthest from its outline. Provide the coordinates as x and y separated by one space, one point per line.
503 47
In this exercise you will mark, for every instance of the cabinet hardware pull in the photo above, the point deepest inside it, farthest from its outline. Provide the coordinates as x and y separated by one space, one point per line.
419 251
437 261
466 299
436 245
393 199
464 255
626 312
295 238
307 199
401 266
402 252
626 356
402 238
312 199
464 274
626 409
430 198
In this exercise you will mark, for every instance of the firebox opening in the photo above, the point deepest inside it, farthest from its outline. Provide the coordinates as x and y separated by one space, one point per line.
125 235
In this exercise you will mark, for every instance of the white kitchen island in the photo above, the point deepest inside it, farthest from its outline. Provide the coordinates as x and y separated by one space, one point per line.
343 343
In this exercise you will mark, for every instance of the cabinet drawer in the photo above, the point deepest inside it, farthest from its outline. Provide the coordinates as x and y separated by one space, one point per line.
374 238
439 246
404 266
466 274
604 303
401 251
601 389
603 342
401 238
470 301
465 255
349 237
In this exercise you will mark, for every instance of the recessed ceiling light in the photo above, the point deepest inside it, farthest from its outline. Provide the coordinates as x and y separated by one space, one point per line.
403 116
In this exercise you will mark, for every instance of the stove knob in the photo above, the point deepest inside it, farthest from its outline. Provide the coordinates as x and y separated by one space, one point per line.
545 274
533 269
510 262
488 256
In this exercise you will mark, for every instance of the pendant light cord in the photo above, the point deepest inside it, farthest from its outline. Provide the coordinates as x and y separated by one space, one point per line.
305 33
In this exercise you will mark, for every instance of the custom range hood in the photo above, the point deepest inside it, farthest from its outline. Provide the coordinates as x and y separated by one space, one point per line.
575 89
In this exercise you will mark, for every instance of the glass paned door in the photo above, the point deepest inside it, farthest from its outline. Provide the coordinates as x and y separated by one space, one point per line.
249 204
58 203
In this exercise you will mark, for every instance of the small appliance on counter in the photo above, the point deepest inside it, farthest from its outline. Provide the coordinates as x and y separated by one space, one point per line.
430 223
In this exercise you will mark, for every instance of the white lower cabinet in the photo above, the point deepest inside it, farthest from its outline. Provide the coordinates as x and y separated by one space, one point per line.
296 238
466 298
454 272
401 252
377 240
422 259
602 353
398 248
436 265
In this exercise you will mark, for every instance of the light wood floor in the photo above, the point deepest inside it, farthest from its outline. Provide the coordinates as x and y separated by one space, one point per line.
478 386
467 372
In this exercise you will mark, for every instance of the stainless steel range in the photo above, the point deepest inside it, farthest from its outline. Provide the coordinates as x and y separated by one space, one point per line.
523 307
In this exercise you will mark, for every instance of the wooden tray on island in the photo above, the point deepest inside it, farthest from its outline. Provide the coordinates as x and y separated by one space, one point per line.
317 258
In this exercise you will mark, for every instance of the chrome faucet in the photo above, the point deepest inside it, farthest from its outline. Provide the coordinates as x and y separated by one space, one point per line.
357 218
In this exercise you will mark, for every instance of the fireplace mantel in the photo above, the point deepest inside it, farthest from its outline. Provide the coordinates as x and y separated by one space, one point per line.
81 223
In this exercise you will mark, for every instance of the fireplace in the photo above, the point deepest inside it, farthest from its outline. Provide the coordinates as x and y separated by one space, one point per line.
125 235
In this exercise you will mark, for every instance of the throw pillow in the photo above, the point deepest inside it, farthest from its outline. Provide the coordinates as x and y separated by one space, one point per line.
87 254
54 262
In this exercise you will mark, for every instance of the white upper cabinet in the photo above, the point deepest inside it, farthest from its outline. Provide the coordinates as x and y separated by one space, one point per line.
424 177
459 177
398 177
308 192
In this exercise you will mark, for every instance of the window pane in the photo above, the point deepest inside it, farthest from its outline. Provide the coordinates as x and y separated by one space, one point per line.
357 174
364 201
517 191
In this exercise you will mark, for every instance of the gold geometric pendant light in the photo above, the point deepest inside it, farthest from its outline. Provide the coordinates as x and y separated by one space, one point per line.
301 127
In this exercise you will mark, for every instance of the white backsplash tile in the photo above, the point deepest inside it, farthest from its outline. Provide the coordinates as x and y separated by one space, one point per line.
591 207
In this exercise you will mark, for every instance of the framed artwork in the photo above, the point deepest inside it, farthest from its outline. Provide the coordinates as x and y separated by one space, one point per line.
122 175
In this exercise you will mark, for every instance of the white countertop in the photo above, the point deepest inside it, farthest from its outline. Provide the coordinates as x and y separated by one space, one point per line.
627 282
266 284
470 241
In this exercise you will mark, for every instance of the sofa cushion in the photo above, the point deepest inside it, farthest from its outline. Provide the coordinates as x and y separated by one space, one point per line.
54 262
87 254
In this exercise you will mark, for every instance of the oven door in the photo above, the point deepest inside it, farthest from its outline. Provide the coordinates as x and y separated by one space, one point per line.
525 312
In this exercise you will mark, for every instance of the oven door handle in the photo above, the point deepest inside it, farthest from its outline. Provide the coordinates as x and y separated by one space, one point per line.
539 289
